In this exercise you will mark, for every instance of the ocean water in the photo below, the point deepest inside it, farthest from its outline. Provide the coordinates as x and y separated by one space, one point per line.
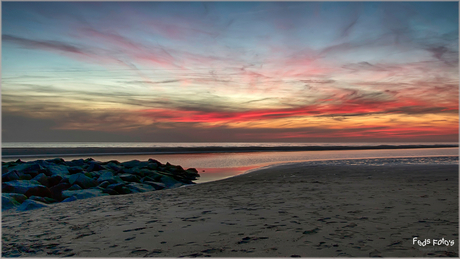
215 166
201 144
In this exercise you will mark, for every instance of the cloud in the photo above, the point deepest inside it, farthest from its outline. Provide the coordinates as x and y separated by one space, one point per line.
364 66
46 45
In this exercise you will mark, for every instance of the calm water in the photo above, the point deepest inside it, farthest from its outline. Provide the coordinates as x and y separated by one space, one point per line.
214 166
199 144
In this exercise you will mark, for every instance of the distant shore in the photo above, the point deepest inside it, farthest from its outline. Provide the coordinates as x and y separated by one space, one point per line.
294 210
95 151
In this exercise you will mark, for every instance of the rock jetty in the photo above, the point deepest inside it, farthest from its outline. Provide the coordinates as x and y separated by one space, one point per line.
36 184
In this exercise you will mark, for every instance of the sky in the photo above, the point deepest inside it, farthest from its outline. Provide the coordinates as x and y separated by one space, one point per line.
230 71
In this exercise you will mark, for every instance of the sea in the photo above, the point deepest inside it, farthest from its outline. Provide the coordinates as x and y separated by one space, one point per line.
234 159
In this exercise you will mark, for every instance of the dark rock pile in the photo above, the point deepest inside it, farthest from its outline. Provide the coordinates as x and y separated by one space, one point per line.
35 184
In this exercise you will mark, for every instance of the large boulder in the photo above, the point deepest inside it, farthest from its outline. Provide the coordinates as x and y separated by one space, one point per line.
39 190
54 180
60 170
108 176
19 186
155 175
70 199
58 161
140 187
156 185
170 182
42 199
110 191
94 166
192 173
75 187
118 187
75 163
57 190
17 196
104 184
9 202
74 169
83 194
43 179
42 163
12 200
33 169
31 205
11 176
113 166
82 180
94 174
129 178
134 163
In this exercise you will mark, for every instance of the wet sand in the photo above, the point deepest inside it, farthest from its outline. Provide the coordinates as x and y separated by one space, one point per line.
22 152
290 210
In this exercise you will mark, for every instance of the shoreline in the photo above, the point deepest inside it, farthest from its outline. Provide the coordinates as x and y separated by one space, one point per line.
281 211
10 153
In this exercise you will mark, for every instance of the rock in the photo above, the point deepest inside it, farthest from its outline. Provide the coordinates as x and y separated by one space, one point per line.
56 190
192 172
54 180
110 191
70 199
19 186
113 166
125 190
12 200
93 174
8 202
132 163
108 176
42 163
174 168
31 205
33 169
11 176
74 169
155 175
58 161
60 170
140 187
170 182
118 187
148 178
112 162
19 167
152 166
75 187
104 184
39 190
17 196
156 185
129 178
43 179
153 161
94 166
83 194
25 177
82 180
76 163
42 199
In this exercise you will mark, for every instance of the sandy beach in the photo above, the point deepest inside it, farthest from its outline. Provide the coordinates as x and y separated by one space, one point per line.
285 211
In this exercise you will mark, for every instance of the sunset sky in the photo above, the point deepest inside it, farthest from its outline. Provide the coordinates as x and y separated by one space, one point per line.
230 71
